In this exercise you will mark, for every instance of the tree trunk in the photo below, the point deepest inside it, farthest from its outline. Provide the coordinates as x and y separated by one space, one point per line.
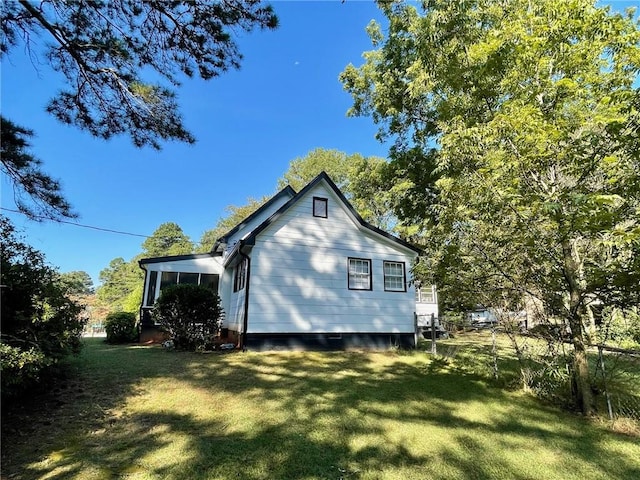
582 393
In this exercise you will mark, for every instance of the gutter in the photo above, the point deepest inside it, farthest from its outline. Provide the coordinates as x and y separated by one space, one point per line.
245 320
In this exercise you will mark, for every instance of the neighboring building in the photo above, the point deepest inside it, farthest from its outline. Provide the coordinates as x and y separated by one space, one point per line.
486 317
304 270
426 302
426 310
481 317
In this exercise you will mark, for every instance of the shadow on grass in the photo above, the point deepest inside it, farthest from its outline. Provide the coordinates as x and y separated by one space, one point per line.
293 415
276 451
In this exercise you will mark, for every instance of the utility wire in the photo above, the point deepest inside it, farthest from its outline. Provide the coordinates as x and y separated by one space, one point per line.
78 224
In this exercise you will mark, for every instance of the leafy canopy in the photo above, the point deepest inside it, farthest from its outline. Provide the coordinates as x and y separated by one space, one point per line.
167 239
104 50
122 281
524 118
35 193
77 282
118 283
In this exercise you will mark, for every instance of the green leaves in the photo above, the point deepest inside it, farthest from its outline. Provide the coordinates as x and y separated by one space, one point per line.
40 322
122 281
104 48
530 107
192 315
167 239
37 195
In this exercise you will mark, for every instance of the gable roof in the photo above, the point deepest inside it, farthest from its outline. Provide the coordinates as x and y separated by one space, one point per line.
250 239
286 191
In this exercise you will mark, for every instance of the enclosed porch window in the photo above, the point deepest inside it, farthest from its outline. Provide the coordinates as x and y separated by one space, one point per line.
167 279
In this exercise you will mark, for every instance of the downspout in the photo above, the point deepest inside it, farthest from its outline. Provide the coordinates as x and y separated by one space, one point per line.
245 320
145 287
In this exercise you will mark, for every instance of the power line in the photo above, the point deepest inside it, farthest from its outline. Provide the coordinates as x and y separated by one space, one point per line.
78 224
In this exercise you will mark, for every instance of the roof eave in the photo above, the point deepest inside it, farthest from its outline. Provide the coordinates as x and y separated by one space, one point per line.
175 258
288 190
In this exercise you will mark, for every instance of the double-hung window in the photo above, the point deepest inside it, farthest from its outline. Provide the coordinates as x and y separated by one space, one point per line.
394 277
240 278
359 274
426 294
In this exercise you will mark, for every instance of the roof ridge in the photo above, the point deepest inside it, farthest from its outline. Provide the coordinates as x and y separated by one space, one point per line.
250 239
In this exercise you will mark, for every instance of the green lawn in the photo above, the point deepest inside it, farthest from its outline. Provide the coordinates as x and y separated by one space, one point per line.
144 413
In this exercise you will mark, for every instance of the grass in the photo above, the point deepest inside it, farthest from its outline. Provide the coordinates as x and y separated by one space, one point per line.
144 413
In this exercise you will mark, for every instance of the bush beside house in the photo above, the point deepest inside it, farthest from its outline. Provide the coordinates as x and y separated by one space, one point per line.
121 327
191 314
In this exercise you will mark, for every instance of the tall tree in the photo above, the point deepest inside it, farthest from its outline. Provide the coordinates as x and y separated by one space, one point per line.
77 282
235 214
35 193
527 115
303 169
167 239
121 281
104 49
363 180
118 280
370 190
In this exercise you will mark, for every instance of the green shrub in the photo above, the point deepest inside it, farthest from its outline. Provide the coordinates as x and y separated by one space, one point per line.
192 316
21 369
121 327
40 321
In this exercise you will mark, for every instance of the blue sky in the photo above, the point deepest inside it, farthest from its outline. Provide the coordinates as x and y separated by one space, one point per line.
285 101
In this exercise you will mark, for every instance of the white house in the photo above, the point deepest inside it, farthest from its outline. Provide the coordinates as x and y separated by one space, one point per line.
304 270
426 302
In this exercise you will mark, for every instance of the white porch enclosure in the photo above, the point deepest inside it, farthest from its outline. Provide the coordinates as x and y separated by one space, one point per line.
161 272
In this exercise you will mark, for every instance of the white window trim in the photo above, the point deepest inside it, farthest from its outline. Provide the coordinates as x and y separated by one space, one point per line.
403 278
357 275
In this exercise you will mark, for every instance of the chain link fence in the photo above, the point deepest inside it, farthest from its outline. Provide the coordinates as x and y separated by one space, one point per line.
616 378
542 365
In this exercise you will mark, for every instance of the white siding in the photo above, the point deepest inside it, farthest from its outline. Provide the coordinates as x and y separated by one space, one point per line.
427 309
234 318
248 227
225 290
234 310
299 273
